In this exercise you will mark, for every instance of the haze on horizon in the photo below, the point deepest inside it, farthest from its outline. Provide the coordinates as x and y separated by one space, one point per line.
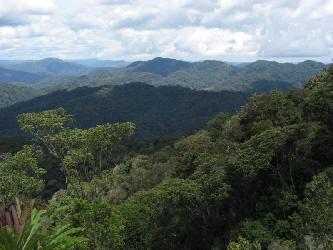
229 30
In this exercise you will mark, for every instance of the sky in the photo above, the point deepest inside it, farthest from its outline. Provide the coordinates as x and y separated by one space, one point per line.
229 30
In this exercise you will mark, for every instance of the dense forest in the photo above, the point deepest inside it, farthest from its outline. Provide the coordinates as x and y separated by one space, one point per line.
258 179
11 93
155 111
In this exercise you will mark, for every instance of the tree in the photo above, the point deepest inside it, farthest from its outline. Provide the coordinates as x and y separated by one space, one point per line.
318 103
258 152
317 208
216 125
244 244
264 111
20 175
255 231
41 125
174 207
81 153
189 152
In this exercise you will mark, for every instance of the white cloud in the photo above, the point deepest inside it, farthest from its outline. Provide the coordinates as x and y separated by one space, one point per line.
187 29
27 6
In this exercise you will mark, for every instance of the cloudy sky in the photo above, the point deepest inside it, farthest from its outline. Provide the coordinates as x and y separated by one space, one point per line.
234 30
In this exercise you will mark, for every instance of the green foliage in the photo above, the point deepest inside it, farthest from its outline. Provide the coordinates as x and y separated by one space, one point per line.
7 240
156 111
137 225
244 244
20 175
44 123
189 153
103 226
174 207
11 93
86 152
255 231
217 124
319 100
265 151
260 179
273 109
36 236
318 208
81 153
265 86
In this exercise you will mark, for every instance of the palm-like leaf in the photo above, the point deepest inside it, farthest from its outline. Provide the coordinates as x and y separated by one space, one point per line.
63 238
34 236
31 232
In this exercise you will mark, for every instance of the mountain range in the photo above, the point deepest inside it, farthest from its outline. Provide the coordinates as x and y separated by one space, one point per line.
49 69
171 97
50 66
52 74
204 75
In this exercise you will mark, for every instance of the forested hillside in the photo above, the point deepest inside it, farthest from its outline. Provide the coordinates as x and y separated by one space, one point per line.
10 94
52 74
155 110
265 86
258 179
14 76
205 75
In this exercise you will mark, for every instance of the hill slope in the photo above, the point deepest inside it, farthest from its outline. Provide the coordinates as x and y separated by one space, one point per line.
10 94
154 110
265 86
7 75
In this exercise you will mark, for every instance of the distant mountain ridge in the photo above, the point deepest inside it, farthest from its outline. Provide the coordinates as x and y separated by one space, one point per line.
51 66
34 71
204 75
155 110
159 66
52 74
98 63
